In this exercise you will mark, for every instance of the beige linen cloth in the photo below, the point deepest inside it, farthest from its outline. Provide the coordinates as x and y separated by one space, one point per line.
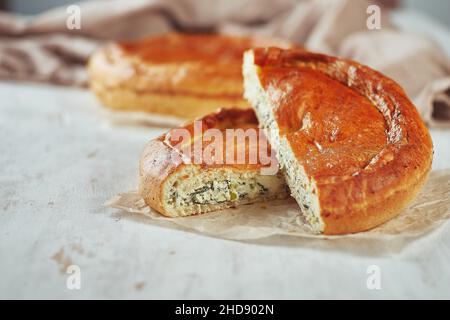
43 48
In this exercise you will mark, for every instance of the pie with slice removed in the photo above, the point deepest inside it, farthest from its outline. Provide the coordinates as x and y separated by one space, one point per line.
352 146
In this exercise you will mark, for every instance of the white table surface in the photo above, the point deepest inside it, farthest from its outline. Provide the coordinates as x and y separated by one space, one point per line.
60 160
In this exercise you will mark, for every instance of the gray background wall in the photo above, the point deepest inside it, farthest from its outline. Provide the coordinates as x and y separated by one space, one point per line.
438 9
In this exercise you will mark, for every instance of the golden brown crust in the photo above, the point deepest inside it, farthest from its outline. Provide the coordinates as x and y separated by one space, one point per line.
176 74
365 145
158 162
161 157
165 104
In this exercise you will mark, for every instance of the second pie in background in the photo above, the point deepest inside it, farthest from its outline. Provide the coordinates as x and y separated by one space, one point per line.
178 75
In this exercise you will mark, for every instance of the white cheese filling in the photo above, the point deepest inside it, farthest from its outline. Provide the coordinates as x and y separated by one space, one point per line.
194 190
303 189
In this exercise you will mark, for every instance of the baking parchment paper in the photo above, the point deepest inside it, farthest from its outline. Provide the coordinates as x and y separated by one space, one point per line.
426 213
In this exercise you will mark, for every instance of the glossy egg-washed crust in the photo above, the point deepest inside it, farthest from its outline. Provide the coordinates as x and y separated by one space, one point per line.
364 145
162 156
183 75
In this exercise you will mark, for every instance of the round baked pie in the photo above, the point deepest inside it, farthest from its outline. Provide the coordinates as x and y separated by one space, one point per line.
179 75
352 145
